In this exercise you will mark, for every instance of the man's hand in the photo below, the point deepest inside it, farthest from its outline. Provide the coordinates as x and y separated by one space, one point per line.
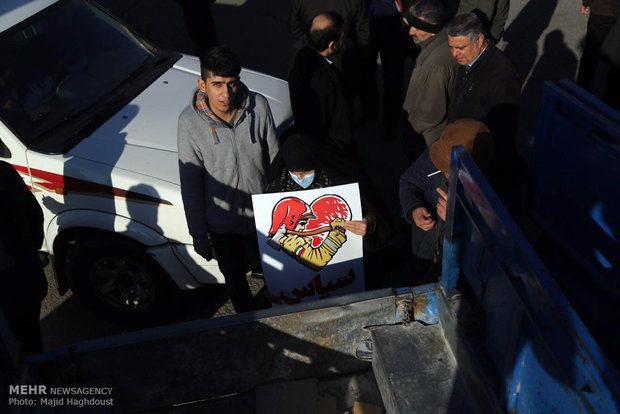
442 204
585 10
423 219
356 226
204 249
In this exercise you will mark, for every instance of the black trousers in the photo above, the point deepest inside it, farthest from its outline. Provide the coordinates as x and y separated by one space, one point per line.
23 289
390 43
598 27
236 254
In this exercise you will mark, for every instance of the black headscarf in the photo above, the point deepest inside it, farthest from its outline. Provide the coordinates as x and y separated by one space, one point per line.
299 152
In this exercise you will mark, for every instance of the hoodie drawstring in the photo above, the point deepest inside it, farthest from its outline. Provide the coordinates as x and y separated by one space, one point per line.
250 115
216 138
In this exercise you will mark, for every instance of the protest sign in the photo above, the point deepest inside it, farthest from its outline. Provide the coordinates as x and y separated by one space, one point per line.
305 251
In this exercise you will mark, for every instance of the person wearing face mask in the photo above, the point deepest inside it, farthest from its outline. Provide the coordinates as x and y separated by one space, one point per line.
296 167
302 164
318 98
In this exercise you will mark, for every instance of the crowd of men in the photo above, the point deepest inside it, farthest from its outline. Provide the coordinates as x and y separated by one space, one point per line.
463 91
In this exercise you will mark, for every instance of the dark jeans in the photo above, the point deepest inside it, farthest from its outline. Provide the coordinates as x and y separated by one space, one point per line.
598 27
390 43
236 254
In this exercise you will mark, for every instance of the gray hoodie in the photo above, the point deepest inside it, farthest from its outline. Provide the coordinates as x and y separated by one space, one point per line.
222 165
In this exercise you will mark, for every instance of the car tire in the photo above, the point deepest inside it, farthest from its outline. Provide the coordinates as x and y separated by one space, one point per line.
118 280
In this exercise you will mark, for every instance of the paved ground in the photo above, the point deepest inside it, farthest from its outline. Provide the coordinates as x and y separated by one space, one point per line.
65 319
543 37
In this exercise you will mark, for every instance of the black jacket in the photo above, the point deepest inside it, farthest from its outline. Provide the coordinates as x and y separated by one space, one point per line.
356 16
21 237
490 92
355 13
418 190
318 99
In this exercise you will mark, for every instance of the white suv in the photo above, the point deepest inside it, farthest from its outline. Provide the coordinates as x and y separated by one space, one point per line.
88 116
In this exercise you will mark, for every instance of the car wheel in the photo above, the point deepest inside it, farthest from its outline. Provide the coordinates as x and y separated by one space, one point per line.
119 281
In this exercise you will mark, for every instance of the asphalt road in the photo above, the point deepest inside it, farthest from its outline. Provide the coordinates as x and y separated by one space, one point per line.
65 319
543 37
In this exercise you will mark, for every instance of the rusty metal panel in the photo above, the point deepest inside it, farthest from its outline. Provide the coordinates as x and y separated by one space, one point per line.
425 303
202 360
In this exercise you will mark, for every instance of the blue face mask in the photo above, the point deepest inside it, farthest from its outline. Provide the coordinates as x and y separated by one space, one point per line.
304 182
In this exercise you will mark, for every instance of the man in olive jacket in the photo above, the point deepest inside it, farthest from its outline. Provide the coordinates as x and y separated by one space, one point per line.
434 76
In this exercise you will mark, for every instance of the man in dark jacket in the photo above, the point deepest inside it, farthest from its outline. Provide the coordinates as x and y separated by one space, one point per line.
488 89
434 76
318 99
356 29
23 282
424 185
356 16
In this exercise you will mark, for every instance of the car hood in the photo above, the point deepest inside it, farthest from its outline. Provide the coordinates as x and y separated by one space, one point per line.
142 137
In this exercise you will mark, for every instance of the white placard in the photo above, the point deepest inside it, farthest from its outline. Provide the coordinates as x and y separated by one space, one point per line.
305 254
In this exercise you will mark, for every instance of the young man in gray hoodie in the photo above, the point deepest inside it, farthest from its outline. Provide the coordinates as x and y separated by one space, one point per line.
226 139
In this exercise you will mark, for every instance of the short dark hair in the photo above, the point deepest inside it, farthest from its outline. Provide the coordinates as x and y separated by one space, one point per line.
320 39
466 24
431 11
220 61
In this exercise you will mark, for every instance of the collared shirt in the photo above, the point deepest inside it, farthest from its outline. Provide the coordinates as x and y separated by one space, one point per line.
202 104
468 67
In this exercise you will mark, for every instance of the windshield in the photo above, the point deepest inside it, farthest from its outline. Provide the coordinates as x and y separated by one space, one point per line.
61 62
